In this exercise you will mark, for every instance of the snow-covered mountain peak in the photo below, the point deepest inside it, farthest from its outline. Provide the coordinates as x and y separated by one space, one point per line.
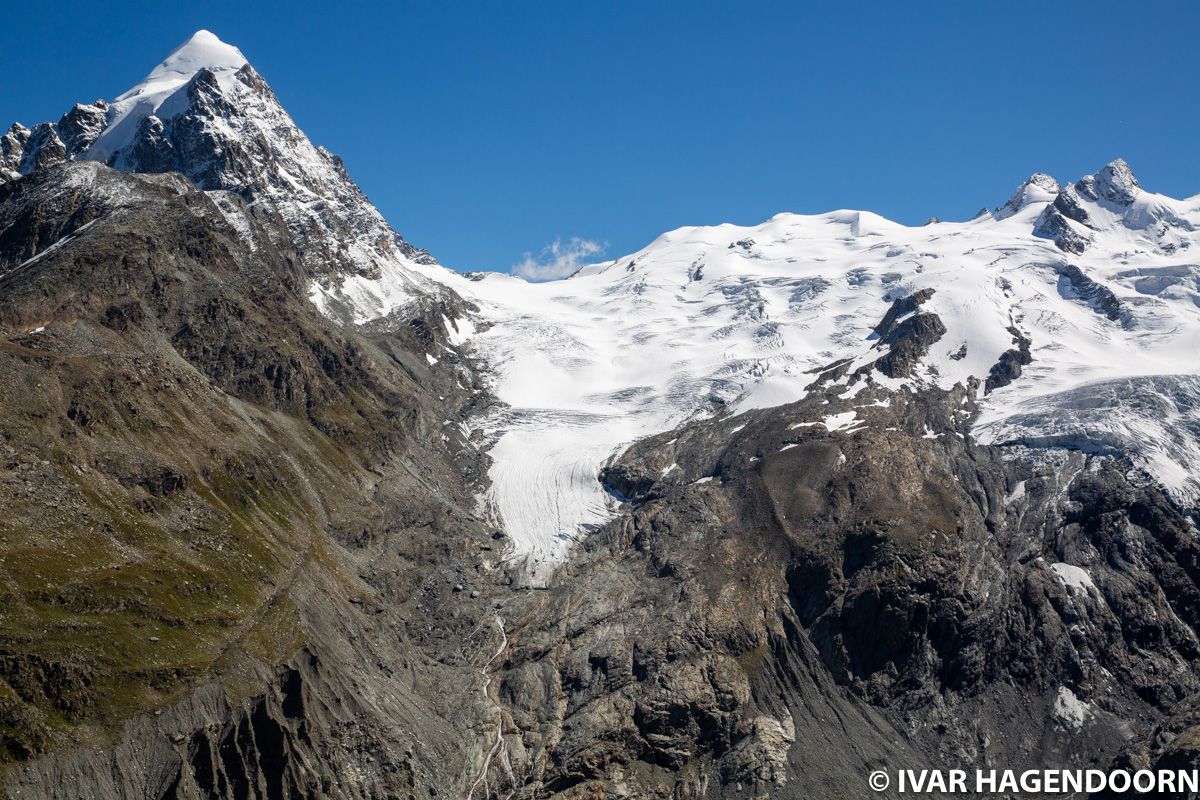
206 113
203 51
1111 209
1037 188
1115 183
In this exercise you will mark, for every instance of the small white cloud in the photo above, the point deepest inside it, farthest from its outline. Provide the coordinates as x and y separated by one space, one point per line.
557 259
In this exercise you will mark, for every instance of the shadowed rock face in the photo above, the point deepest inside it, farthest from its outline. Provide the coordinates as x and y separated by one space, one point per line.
231 528
1052 223
1115 183
1077 285
1008 368
883 596
907 341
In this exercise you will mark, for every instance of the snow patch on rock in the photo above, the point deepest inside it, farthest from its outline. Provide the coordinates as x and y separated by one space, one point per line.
1073 577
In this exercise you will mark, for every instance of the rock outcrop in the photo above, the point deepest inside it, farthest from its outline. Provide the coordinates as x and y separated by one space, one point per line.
945 603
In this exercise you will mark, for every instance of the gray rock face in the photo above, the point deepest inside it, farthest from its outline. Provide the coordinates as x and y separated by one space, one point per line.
1116 184
1052 223
82 125
935 598
44 148
12 152
1068 204
907 334
1008 368
23 150
908 342
1076 285
268 158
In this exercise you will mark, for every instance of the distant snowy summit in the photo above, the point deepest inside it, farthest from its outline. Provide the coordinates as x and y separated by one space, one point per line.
206 113
140 115
1076 328
1111 197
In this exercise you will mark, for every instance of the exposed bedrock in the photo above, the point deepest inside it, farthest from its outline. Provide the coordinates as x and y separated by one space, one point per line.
945 603
243 555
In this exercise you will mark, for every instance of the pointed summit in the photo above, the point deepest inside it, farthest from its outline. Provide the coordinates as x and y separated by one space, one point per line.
202 51
205 113
1116 183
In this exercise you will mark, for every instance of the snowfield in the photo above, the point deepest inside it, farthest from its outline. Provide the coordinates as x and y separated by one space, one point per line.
730 318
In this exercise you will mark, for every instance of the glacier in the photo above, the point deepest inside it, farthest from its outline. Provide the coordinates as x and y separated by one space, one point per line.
724 319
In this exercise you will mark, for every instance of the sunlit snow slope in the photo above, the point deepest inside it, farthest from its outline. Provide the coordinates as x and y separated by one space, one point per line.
728 317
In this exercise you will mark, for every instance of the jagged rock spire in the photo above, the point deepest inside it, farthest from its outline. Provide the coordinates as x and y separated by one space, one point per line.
1115 183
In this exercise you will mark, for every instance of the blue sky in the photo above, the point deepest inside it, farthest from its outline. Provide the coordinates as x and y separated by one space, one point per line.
485 131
